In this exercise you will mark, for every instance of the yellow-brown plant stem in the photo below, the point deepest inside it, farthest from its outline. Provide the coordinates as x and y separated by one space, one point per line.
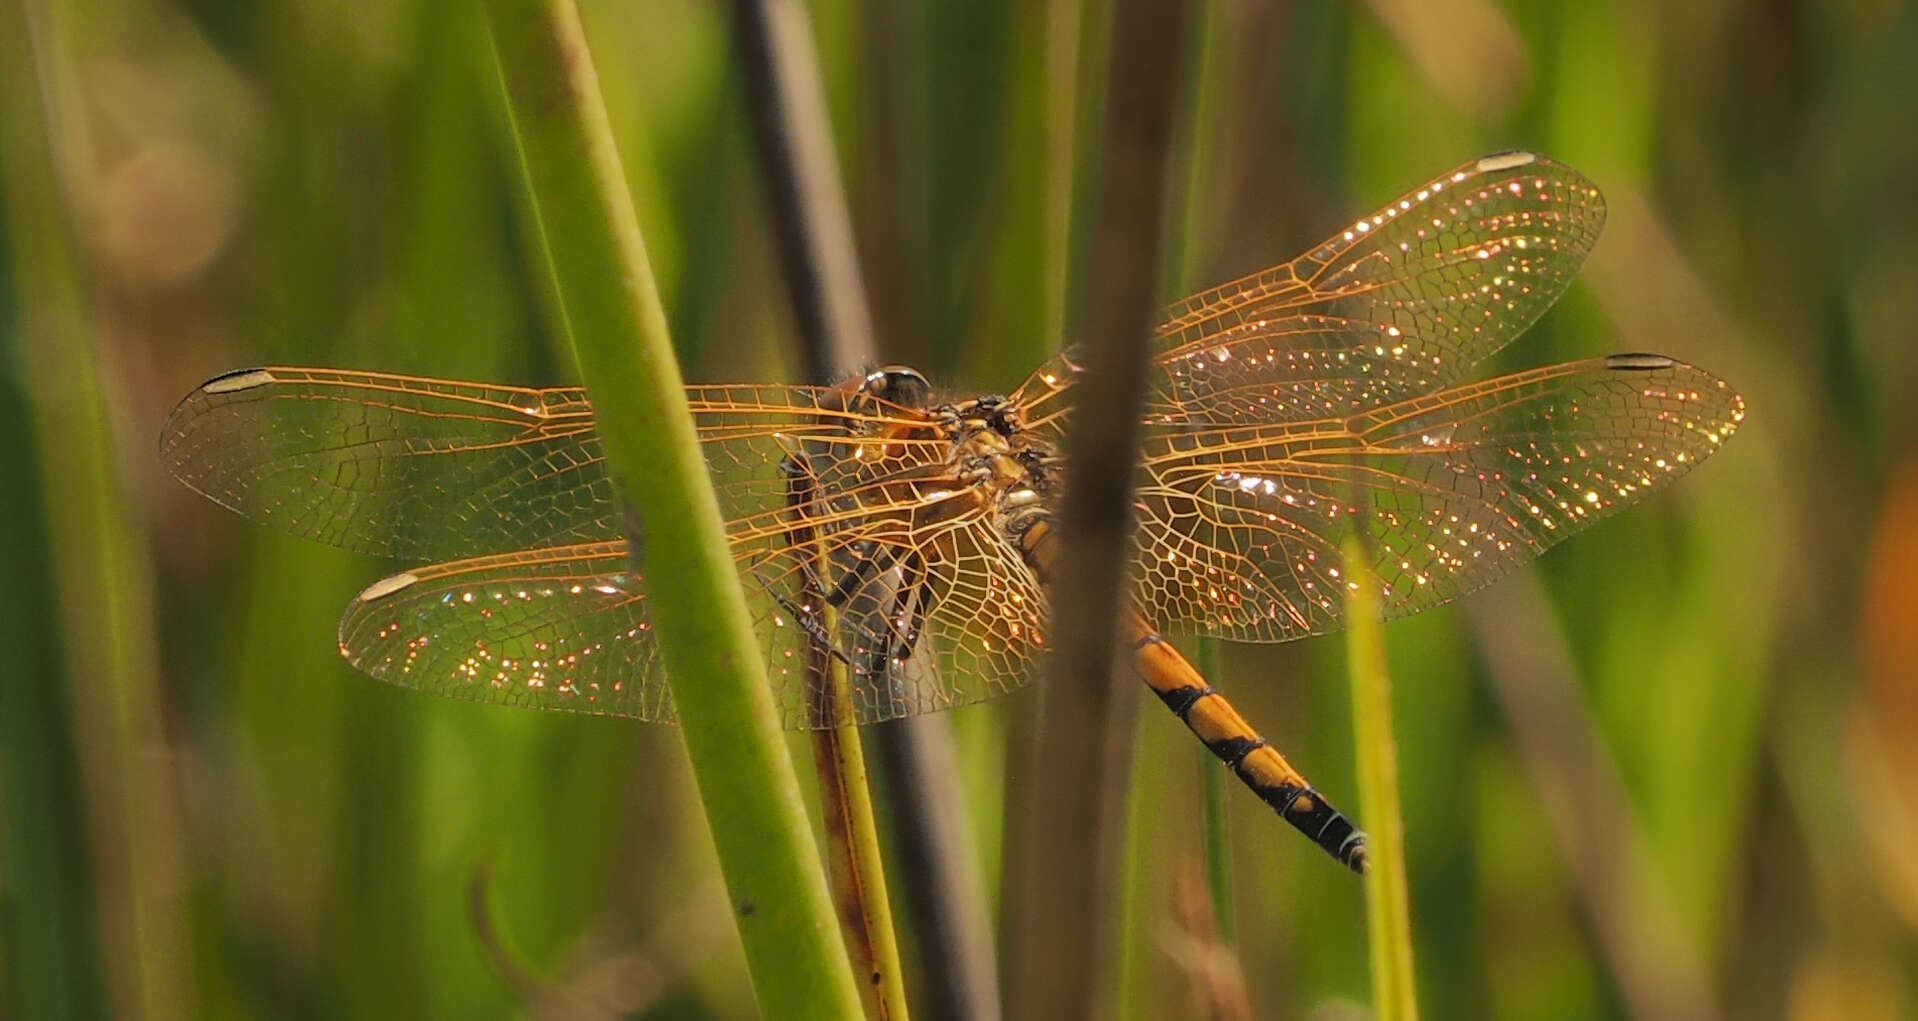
845 798
859 874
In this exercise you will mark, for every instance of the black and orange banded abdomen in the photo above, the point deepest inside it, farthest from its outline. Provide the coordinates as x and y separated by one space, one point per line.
1251 757
1225 733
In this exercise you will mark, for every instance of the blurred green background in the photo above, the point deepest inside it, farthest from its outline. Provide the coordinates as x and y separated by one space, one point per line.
207 812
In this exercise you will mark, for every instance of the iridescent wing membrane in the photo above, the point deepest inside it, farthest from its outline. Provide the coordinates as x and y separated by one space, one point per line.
1295 405
543 607
1286 408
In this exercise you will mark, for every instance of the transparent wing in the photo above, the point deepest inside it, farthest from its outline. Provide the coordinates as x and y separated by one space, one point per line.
558 628
909 586
1402 302
1240 527
1286 409
826 491
424 469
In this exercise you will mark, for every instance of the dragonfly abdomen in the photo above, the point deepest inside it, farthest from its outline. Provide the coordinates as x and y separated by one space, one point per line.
1215 721
1251 757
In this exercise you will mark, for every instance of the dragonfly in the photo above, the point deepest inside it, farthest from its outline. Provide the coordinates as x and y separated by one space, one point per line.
910 537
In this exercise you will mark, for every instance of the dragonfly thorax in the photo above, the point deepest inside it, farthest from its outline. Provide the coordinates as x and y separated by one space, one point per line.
1013 467
991 462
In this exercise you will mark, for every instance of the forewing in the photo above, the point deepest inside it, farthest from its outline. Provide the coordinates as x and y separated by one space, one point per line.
1240 528
425 469
539 605
1404 301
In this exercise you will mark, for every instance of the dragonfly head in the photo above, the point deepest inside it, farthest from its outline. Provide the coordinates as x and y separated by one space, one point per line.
898 384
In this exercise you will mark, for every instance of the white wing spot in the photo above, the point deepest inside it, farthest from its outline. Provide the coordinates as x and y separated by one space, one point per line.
233 382
388 585
1506 161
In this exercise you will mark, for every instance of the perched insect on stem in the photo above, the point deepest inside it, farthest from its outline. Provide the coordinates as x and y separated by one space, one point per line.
909 537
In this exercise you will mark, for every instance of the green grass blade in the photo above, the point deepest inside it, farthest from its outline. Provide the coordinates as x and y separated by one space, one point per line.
102 579
1388 916
619 333
780 64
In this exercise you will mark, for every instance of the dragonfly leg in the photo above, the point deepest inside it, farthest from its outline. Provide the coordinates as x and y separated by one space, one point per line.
808 622
868 567
1253 759
912 593
915 602
915 590
904 621
802 490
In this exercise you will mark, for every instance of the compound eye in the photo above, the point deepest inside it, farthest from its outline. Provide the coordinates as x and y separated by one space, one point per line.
897 384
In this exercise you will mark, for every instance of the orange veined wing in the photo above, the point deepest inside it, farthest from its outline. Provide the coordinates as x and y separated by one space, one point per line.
567 627
422 469
843 537
1401 302
1240 527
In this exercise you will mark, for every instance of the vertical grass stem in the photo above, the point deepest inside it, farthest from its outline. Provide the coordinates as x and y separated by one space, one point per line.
1388 915
618 330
